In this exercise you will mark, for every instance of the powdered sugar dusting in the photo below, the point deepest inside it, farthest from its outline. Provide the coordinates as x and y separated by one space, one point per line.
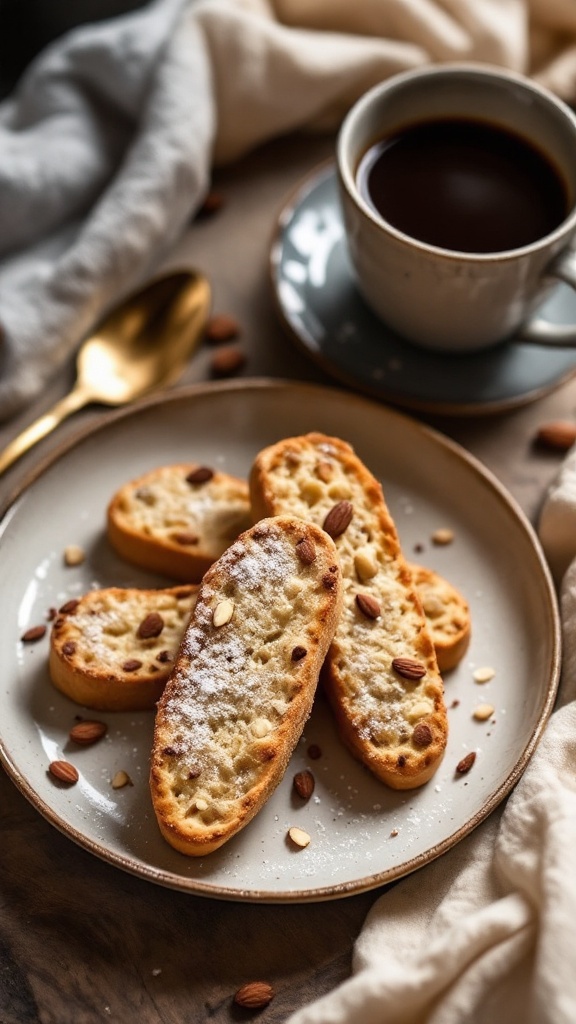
219 694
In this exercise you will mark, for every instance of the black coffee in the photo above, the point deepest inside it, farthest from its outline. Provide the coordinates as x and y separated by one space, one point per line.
463 185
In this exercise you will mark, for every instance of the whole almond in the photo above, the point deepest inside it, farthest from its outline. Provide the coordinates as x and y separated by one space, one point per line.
226 361
558 435
306 551
368 605
365 565
304 784
221 327
422 735
87 732
64 772
200 475
33 634
213 203
254 995
131 665
338 519
409 668
466 763
150 627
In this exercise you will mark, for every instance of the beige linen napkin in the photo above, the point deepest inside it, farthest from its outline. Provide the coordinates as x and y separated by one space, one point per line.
107 145
487 933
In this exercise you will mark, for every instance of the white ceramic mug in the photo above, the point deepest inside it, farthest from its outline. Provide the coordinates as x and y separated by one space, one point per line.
438 297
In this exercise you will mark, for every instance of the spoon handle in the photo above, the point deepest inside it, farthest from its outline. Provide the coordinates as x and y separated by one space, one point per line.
71 402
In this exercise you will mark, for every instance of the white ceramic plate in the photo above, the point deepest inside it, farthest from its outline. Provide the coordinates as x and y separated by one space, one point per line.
363 834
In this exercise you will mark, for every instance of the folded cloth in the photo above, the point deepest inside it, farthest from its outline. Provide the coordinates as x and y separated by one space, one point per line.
107 144
487 933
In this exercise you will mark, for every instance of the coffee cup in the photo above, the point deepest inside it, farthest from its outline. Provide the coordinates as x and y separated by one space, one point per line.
458 192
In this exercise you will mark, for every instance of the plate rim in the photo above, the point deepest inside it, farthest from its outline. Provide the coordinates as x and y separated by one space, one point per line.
193 886
291 202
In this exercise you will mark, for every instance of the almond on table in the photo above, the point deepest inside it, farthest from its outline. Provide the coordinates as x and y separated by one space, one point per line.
221 327
227 360
557 435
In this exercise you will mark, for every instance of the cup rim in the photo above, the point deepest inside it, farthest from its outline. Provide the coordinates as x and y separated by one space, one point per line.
397 81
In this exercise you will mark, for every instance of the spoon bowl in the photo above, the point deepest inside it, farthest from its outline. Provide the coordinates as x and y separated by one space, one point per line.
143 344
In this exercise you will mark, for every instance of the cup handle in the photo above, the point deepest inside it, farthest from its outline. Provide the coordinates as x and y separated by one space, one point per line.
542 332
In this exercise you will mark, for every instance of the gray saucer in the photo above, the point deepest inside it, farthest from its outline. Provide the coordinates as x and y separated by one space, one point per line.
319 302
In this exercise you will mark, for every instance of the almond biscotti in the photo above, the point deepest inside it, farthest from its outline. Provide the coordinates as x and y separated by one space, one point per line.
113 649
447 613
177 520
381 674
244 681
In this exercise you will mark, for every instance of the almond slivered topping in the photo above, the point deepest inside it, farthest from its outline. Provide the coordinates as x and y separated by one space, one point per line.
222 613
483 712
299 837
121 779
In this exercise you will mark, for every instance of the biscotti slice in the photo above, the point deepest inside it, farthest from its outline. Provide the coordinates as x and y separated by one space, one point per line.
177 520
244 681
381 674
113 649
447 613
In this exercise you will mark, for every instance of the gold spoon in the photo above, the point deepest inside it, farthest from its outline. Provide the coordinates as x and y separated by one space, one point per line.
143 344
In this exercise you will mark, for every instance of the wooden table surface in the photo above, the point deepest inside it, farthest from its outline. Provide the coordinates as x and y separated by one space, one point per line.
81 941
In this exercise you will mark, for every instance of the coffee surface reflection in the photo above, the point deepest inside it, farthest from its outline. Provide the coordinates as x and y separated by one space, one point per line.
464 185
